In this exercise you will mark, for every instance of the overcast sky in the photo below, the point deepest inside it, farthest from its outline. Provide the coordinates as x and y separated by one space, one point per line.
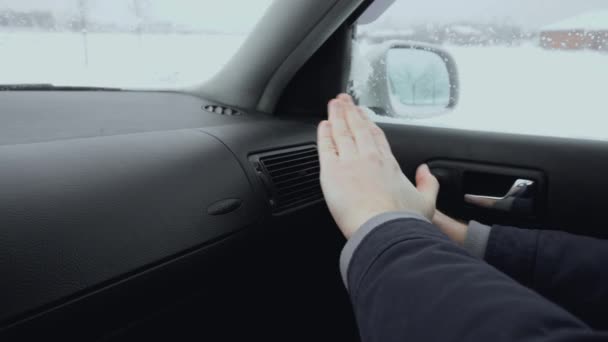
240 15
528 13
230 15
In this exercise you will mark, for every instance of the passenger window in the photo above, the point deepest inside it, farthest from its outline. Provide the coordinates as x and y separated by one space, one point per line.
516 67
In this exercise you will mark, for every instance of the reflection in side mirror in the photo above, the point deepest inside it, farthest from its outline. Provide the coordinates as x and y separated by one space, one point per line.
408 80
418 81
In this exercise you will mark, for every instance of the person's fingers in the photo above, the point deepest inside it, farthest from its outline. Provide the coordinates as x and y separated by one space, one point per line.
325 144
426 183
454 229
342 135
361 130
377 133
381 141
363 114
346 98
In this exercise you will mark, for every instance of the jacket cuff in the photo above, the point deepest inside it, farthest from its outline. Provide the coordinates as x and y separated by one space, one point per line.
476 240
353 243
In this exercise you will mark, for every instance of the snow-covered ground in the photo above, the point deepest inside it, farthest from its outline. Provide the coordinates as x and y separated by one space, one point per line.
508 89
114 59
528 90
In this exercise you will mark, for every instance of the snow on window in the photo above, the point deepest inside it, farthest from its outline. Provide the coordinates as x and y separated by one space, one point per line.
523 67
121 43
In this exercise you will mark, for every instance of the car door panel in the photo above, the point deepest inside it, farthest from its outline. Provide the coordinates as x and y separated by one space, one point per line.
490 192
572 171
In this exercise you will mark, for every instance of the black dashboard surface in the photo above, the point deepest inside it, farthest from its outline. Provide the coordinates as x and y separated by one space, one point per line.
98 186
38 116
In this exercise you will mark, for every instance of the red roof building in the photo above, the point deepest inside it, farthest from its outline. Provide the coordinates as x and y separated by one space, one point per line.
588 31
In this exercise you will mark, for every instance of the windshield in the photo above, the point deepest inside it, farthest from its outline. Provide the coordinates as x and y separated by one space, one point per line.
121 43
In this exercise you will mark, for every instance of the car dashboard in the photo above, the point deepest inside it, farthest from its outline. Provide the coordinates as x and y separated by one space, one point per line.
112 201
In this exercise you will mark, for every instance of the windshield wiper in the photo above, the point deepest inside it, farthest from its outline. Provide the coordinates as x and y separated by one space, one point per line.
51 87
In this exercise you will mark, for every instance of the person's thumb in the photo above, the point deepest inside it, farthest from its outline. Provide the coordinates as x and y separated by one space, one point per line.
426 183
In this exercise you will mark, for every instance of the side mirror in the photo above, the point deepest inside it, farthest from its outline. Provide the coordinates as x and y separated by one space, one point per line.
412 80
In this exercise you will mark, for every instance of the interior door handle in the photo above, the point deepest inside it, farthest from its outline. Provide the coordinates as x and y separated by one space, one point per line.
517 199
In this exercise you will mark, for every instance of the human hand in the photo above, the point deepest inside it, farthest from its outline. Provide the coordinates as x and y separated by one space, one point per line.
454 229
360 177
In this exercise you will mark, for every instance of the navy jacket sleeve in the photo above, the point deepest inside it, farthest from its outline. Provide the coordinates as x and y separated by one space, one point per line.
408 282
570 270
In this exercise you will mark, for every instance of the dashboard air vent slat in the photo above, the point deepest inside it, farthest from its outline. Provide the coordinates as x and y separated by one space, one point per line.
296 169
291 177
286 163
283 182
289 156
312 182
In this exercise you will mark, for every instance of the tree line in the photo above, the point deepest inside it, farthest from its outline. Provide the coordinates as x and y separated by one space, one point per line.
457 33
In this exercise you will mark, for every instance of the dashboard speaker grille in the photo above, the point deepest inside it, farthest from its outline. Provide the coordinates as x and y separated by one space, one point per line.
291 177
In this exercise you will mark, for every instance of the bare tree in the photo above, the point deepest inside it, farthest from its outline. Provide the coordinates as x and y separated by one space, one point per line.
140 8
82 11
138 14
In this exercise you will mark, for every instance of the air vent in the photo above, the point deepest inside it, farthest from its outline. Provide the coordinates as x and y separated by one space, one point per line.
291 177
222 110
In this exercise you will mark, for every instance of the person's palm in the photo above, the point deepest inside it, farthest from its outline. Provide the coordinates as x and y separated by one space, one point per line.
359 174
